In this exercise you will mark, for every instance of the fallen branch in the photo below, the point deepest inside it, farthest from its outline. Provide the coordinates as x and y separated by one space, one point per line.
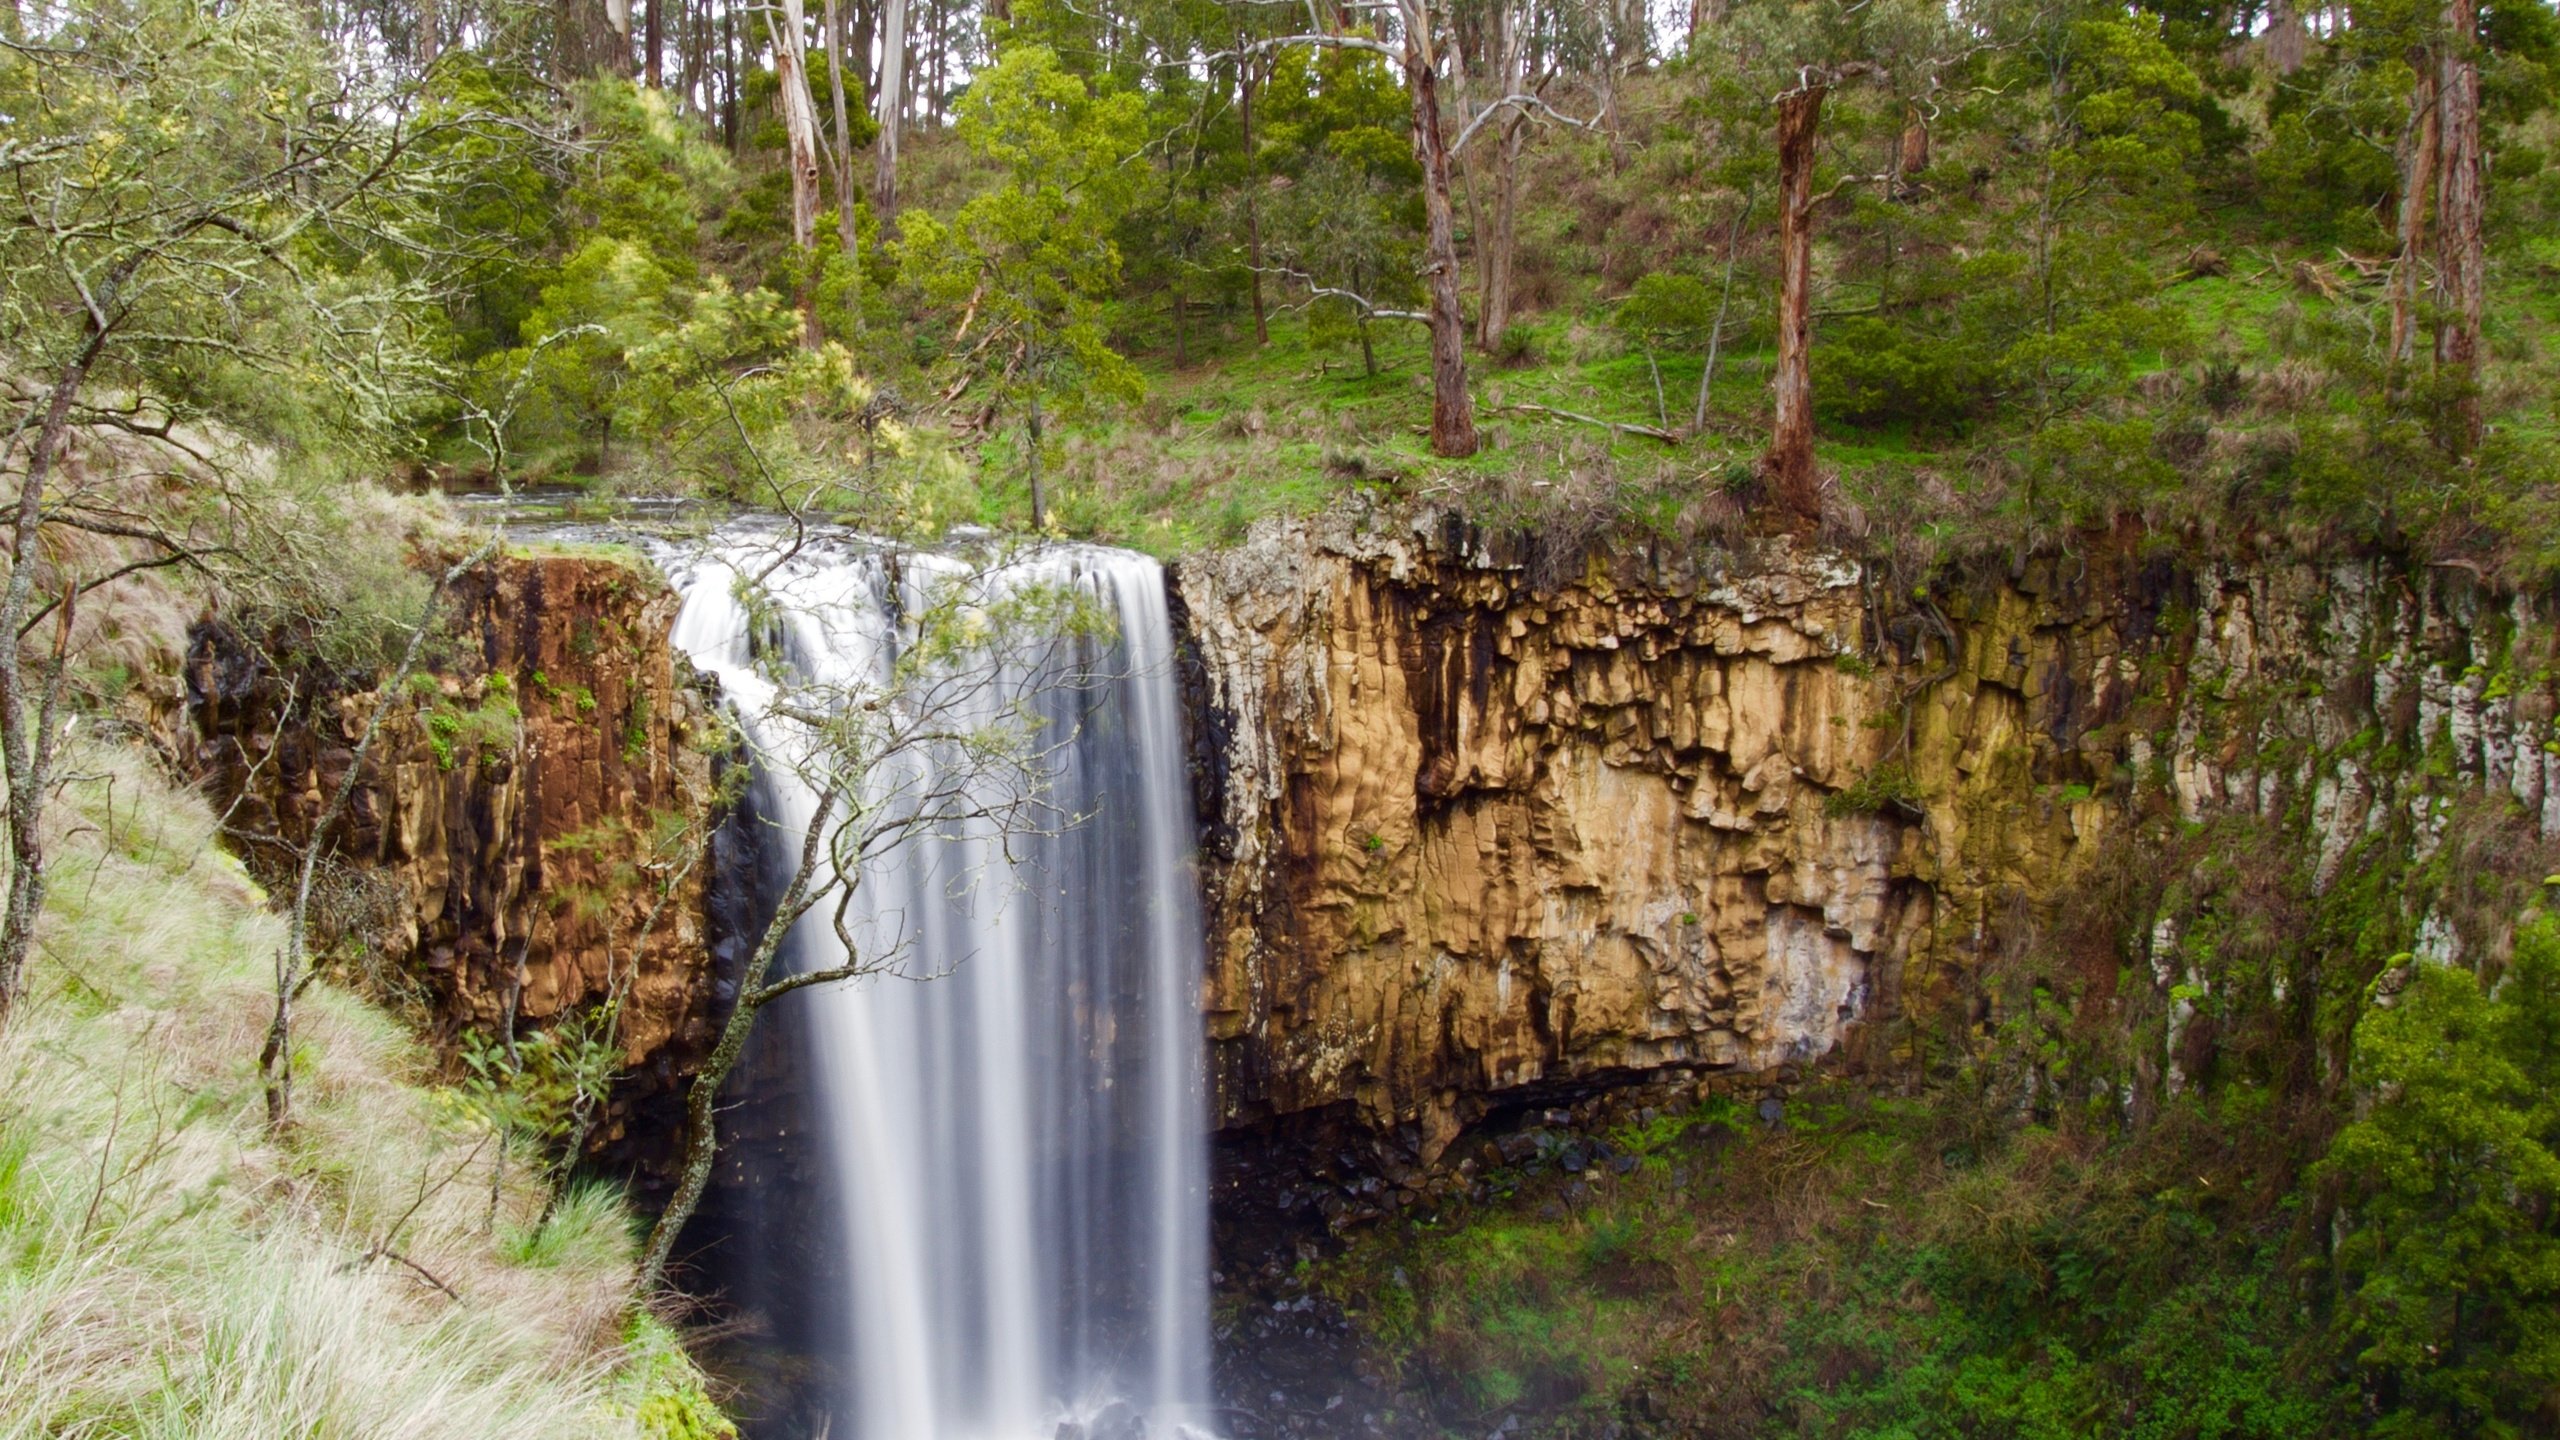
1650 432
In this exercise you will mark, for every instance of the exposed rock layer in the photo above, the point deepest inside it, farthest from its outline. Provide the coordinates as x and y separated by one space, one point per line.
526 838
1470 840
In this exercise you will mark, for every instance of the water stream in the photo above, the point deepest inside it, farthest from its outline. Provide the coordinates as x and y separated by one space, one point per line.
1009 1121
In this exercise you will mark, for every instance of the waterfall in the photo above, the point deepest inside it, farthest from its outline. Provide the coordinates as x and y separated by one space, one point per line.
1012 1119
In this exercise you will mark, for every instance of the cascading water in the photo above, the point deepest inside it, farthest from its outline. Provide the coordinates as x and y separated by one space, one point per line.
1012 1119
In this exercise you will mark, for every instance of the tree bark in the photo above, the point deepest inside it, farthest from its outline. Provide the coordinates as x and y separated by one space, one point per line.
654 46
2285 43
800 126
2461 198
2417 185
1790 462
1500 241
845 228
1911 157
1039 509
892 108
729 87
1453 417
1252 196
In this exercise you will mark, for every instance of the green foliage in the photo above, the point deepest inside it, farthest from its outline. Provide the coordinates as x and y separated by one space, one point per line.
2449 1183
1035 252
1887 787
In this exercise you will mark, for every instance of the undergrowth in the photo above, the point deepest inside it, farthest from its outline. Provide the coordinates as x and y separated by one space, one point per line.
170 1268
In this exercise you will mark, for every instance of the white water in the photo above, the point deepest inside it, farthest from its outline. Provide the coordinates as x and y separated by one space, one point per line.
1013 1117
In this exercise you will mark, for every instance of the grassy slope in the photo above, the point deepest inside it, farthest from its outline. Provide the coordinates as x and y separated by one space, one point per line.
1244 430
168 1268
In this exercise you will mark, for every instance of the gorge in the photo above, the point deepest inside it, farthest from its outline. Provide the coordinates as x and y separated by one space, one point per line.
1477 837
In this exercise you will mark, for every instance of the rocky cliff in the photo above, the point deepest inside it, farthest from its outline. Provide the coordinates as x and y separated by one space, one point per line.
527 841
1471 841
1476 840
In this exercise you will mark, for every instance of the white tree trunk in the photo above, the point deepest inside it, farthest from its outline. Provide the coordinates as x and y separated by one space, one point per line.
892 106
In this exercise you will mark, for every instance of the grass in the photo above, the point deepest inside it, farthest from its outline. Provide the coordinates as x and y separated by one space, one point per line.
170 1268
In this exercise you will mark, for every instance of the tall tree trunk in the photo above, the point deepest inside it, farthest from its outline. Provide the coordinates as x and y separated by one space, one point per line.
729 86
1453 414
1499 241
568 42
845 227
892 107
937 73
654 47
2461 261
610 47
1790 461
2417 186
1039 505
1506 37
696 52
430 31
2285 43
800 127
1252 195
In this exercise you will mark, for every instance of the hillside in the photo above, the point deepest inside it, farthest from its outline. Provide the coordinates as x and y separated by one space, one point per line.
171 1266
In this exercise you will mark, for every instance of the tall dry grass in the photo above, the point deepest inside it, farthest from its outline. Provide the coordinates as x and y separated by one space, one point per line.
168 1268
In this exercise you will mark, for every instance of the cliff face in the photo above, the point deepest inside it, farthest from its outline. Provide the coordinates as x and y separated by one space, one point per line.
1471 841
527 837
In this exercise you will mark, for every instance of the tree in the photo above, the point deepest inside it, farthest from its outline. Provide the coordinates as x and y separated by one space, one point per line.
1417 53
1804 50
893 109
1666 310
790 36
941 741
2462 188
2449 1187
1453 411
201 215
1032 260
1337 232
1521 46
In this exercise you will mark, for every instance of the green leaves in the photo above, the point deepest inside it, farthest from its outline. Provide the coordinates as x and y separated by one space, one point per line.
2449 1184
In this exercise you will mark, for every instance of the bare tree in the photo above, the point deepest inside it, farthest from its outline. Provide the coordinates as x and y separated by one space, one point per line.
943 740
293 972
